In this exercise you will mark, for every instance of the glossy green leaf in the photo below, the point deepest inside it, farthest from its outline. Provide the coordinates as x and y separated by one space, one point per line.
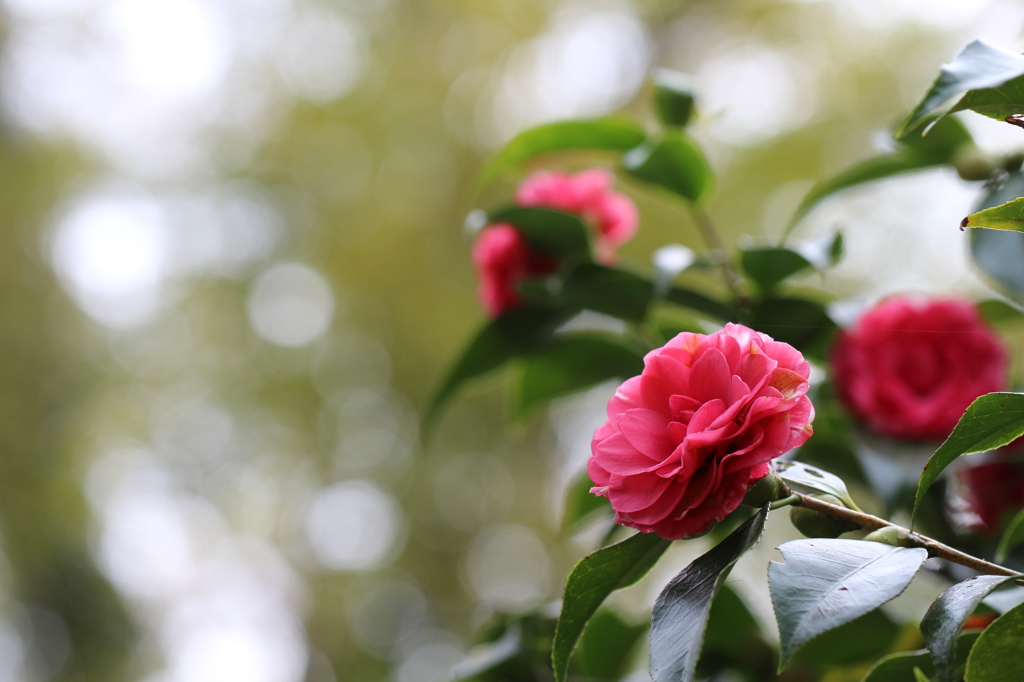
998 102
603 652
807 479
799 322
998 655
1012 536
825 583
1008 216
674 162
608 134
610 291
999 253
899 667
990 422
945 619
595 577
996 312
682 609
673 97
730 624
920 676
978 66
572 362
865 639
768 266
914 153
514 333
701 303
553 232
580 503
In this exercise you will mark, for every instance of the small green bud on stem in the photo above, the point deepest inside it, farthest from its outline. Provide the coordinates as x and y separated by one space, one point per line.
764 490
816 524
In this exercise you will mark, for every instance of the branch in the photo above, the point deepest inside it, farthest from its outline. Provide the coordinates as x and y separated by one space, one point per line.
720 254
907 537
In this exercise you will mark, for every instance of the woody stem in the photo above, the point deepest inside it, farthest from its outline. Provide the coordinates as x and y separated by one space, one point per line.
907 537
720 254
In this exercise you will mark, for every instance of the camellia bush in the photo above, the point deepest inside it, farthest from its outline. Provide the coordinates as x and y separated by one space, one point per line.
721 419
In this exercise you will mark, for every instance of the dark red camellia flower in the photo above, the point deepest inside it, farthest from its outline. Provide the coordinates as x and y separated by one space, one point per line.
687 438
910 366
984 494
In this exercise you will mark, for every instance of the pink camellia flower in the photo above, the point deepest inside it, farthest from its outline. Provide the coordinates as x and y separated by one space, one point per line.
503 259
910 367
588 194
687 438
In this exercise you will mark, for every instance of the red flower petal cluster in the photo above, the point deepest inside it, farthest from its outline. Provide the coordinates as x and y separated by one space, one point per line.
588 194
502 256
686 439
503 259
910 367
984 495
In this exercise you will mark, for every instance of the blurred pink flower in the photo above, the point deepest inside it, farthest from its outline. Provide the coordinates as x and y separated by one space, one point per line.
588 194
687 438
503 259
910 367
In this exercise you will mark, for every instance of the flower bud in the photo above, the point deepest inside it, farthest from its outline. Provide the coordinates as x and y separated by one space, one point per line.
973 164
890 535
764 490
816 524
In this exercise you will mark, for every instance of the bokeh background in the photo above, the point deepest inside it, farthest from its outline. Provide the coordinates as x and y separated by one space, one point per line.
233 269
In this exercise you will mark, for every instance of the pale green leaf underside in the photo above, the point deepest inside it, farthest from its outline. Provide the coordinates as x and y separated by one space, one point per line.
826 583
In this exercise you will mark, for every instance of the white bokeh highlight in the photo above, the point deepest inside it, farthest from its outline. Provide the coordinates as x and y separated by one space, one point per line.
291 305
354 526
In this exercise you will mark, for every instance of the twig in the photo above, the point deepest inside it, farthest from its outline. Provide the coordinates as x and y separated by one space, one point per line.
910 538
720 254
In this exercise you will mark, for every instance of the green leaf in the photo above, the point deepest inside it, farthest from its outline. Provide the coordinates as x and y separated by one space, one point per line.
674 162
608 290
768 266
696 301
990 422
996 656
730 624
553 232
999 253
595 577
484 658
920 676
1012 536
603 653
608 134
979 66
899 667
826 583
799 322
866 638
938 148
681 610
998 102
945 619
807 479
572 362
580 503
510 335
996 311
673 97
1008 216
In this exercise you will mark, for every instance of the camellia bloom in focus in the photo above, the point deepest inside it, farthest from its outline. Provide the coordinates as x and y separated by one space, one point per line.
502 256
910 367
687 438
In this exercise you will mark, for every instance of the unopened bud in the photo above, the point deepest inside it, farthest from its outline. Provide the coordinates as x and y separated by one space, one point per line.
764 490
890 535
816 524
